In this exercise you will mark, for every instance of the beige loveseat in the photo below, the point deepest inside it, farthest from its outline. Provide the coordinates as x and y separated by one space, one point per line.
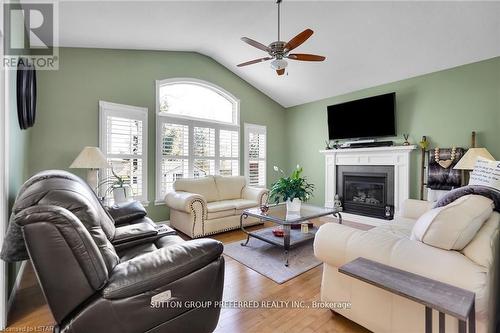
212 204
473 268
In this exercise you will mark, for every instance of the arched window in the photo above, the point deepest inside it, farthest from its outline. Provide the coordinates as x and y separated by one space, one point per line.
197 132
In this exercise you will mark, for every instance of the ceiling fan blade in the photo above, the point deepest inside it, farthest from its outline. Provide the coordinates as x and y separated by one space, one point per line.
280 71
251 62
299 39
256 44
305 57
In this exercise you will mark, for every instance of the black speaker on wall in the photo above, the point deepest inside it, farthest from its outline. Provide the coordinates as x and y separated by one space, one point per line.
26 93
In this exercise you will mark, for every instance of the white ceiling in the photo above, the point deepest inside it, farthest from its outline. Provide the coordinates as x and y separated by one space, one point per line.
366 43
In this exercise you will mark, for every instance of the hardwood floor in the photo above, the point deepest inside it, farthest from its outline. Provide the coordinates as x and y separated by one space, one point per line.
30 312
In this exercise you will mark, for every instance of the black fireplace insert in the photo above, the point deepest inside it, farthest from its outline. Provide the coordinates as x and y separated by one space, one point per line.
367 190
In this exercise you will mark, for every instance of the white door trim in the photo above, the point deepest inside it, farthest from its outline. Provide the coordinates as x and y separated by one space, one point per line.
4 183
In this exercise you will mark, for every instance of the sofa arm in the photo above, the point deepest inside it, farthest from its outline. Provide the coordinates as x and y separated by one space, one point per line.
126 212
413 209
257 194
161 267
330 242
182 201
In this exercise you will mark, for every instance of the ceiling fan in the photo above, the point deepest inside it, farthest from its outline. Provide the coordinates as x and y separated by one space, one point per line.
279 51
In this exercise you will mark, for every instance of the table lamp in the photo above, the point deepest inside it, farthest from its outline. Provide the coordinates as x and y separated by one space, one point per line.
468 161
92 159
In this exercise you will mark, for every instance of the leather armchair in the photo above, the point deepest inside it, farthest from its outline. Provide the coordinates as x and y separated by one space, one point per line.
99 278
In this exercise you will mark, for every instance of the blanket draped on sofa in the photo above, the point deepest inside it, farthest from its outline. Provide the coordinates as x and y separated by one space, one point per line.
488 192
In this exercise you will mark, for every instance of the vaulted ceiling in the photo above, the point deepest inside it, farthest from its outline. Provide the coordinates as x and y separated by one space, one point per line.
366 43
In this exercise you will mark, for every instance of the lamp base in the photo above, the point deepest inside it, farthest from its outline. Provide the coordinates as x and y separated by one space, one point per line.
93 178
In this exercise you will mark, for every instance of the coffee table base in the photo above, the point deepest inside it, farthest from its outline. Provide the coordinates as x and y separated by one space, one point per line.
290 239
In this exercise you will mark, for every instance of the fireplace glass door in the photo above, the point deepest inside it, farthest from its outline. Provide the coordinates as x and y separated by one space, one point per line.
367 190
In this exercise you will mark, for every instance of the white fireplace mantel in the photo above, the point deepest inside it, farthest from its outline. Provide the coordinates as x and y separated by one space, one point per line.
397 156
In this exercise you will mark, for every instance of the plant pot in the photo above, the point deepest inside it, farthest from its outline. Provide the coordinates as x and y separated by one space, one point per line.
293 205
122 194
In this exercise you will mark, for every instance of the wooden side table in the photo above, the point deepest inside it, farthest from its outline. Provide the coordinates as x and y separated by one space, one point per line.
445 298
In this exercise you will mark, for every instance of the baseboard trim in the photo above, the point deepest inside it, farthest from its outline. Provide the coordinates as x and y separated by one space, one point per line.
167 222
16 285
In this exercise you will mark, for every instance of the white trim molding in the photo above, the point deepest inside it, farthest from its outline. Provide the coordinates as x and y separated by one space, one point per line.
397 156
129 112
4 179
258 129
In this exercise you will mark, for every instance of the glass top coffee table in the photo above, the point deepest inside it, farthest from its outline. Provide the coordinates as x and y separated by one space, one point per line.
287 220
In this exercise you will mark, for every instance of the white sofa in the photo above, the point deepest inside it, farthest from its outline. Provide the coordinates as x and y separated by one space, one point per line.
212 204
474 268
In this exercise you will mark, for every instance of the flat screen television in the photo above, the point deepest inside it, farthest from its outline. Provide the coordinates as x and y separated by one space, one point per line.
363 118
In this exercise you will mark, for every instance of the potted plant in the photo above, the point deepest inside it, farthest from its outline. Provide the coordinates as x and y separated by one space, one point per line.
119 186
293 189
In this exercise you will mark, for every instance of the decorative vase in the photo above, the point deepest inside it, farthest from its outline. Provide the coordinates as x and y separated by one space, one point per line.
122 193
293 205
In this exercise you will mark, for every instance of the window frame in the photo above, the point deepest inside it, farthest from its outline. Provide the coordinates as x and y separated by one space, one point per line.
205 84
130 112
191 122
254 128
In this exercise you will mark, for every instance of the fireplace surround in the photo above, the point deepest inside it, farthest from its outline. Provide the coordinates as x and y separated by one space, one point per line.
397 157
367 189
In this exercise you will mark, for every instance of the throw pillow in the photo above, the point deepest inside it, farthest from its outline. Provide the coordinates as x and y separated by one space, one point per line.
453 226
486 173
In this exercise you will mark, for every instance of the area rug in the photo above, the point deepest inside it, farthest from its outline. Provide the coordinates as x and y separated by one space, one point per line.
269 260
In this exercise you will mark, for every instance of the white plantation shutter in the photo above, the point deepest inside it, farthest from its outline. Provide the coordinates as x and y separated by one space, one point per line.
174 154
203 151
255 154
229 153
123 140
189 148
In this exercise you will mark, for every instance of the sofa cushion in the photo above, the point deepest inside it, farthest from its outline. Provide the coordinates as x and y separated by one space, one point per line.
204 186
218 206
244 203
400 228
452 227
230 187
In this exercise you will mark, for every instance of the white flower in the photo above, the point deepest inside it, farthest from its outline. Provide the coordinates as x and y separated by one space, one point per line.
276 168
298 166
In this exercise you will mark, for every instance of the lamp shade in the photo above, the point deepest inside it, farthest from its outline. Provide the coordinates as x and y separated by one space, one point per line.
90 158
468 161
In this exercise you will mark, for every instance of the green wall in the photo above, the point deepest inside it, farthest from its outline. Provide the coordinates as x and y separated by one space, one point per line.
446 106
67 118
18 162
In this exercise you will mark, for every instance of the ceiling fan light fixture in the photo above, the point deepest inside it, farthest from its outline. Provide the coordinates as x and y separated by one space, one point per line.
279 50
278 64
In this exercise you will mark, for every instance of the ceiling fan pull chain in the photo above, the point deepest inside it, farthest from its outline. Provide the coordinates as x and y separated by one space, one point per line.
279 18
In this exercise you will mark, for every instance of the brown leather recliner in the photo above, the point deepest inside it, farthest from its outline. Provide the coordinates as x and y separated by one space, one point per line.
93 286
